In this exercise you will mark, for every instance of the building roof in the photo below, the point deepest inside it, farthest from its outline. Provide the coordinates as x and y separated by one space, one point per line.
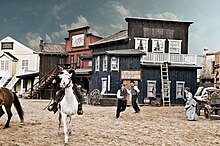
83 71
10 56
121 35
124 52
156 20
79 28
49 48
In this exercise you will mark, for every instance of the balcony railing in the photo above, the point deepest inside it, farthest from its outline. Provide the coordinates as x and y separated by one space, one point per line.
171 58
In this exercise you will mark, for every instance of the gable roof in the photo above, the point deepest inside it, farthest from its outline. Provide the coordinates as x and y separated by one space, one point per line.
9 39
9 55
49 48
121 35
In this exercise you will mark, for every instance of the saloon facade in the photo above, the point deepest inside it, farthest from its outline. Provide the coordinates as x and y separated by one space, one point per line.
153 53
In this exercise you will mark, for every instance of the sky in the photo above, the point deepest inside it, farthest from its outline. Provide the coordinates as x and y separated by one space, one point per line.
29 21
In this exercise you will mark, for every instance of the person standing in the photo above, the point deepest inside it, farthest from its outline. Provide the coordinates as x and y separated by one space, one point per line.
190 106
134 93
122 95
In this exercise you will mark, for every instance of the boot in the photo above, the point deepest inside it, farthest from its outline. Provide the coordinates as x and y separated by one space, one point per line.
53 107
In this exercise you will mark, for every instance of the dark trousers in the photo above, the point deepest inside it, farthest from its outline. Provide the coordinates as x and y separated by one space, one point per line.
134 103
121 107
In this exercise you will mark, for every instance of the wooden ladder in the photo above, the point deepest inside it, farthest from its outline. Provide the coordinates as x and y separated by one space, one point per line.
165 84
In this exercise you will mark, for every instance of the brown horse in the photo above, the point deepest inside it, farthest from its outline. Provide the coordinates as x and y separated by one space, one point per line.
7 97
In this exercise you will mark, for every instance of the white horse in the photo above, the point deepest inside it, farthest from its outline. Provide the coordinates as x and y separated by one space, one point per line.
68 105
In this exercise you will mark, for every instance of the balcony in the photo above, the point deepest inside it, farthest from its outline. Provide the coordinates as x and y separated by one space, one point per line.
178 59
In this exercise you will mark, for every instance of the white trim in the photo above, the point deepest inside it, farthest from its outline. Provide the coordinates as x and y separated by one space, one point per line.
159 43
97 63
179 44
144 43
115 67
181 92
104 80
105 58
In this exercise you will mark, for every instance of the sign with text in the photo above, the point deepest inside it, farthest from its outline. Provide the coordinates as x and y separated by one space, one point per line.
78 40
131 74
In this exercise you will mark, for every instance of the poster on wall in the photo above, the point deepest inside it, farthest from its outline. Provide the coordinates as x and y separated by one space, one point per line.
78 40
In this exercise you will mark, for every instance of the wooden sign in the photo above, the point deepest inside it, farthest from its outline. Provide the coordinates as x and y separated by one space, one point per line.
131 74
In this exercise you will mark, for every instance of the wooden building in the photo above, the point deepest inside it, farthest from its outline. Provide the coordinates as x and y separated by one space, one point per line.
80 58
53 58
154 53
217 70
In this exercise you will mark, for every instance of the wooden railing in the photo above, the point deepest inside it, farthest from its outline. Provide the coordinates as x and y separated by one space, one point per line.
44 80
171 58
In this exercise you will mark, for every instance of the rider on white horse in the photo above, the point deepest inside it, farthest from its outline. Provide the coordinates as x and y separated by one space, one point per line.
59 94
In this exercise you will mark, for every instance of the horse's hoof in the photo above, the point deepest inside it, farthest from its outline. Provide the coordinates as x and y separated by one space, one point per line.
6 126
66 144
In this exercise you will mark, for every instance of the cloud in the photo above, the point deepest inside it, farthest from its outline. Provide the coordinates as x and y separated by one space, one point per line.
33 40
81 21
121 9
56 10
163 16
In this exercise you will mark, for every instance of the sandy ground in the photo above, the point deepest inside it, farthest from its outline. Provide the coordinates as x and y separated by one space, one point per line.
165 126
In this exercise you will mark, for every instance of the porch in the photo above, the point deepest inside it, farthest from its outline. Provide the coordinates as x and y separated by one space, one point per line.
178 59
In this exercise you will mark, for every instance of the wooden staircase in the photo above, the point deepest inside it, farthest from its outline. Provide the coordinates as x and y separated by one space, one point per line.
165 84
6 83
44 82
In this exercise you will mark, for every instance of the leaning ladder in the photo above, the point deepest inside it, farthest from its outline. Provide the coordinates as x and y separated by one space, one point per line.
165 84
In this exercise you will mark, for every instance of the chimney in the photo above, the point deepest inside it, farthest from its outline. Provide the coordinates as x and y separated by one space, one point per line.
205 51
41 45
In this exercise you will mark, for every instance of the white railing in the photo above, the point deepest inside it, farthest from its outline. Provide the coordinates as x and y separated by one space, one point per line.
171 58
14 79
5 77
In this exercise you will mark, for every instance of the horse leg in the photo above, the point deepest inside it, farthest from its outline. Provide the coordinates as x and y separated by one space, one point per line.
1 111
8 110
71 123
65 129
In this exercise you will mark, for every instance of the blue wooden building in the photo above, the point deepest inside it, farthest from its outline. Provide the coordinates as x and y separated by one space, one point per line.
153 53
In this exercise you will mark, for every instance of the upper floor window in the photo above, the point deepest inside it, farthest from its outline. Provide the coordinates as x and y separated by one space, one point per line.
105 61
97 63
78 40
141 44
175 46
158 45
78 60
24 65
7 45
115 63
72 61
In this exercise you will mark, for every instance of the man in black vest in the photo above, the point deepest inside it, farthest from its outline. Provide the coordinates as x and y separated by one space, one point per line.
134 93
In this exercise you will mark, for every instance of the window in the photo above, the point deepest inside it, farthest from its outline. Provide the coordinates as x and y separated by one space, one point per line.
72 61
141 44
78 60
97 63
158 45
24 65
4 65
175 46
115 63
151 88
105 61
180 89
90 63
7 45
104 85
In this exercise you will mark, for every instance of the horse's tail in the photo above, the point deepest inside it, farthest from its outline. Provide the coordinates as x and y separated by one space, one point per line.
18 107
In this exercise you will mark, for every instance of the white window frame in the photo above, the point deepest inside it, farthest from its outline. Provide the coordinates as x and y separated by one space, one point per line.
105 62
180 89
151 88
25 65
114 63
4 65
175 46
104 85
161 43
144 41
97 63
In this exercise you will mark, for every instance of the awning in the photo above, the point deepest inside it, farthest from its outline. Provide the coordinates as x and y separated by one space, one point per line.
83 71
28 75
